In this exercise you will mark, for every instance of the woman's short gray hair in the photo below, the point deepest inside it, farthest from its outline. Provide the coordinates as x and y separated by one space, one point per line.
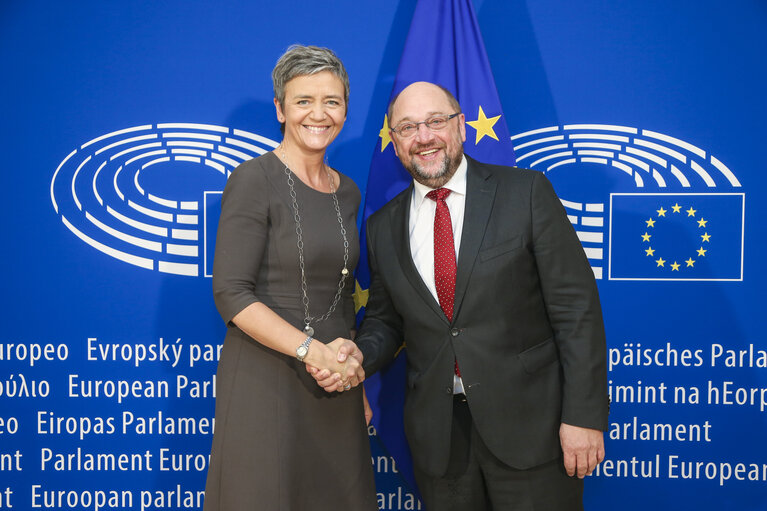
301 60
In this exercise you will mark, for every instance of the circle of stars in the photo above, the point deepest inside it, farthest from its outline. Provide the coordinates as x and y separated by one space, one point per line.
661 214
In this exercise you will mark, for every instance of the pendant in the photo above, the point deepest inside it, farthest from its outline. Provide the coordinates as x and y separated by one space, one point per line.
309 331
344 272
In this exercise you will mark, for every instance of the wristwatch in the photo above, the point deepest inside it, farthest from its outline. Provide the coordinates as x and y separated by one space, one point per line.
303 349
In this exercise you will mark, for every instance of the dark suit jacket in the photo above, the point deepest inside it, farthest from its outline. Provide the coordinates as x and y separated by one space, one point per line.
527 326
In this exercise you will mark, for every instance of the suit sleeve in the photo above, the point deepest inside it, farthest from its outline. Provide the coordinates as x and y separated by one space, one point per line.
241 240
380 334
349 308
572 303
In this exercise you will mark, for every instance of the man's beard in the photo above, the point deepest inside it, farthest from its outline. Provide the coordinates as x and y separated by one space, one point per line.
436 180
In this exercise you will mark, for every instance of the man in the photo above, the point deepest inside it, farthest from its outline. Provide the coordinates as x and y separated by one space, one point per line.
489 288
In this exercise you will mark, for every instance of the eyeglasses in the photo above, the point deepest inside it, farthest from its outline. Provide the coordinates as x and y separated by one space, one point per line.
436 123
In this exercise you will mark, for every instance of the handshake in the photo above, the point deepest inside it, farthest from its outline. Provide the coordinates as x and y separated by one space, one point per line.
342 369
342 366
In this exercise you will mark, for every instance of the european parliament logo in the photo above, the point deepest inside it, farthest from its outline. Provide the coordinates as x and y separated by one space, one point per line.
150 195
677 214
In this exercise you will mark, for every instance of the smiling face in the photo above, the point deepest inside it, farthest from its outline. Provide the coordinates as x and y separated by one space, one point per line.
314 111
431 157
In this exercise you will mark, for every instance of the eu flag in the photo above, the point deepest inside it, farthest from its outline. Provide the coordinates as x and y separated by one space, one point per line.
676 236
444 46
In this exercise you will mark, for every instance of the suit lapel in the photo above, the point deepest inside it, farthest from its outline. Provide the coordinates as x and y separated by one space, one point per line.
480 194
400 219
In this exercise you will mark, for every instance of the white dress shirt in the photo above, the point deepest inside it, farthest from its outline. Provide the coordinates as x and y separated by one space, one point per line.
421 230
421 226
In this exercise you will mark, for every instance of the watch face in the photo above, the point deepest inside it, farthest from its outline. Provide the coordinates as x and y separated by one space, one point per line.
301 351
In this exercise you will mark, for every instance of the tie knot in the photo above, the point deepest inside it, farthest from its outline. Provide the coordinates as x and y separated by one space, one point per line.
440 194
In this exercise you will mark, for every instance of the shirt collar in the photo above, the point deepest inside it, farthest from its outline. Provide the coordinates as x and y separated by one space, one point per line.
457 184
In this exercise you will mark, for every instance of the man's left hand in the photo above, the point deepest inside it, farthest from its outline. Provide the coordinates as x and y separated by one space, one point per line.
583 449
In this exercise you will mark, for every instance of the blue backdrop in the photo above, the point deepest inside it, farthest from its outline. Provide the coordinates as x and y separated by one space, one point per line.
647 116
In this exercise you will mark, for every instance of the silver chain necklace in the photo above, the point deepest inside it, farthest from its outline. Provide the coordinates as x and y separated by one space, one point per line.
300 244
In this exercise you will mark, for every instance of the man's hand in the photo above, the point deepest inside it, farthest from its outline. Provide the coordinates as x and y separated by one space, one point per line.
583 449
336 382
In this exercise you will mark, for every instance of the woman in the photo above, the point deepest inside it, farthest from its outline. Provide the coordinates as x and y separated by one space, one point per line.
287 241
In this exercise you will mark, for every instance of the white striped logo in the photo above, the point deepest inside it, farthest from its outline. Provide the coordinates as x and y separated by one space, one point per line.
140 194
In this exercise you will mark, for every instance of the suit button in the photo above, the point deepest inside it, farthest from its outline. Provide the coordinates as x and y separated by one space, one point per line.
455 332
448 390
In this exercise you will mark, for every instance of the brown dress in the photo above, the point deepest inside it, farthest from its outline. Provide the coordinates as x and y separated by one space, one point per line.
281 443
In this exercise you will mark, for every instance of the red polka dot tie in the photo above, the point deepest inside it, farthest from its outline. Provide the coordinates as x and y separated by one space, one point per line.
444 255
444 252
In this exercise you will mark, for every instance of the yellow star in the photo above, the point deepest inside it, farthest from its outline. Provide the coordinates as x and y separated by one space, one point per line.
646 237
676 207
691 212
705 237
702 223
702 252
661 211
650 251
384 133
660 261
484 126
360 296
675 266
690 262
650 223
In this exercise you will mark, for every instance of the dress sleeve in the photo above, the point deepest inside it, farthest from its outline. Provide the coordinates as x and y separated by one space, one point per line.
241 239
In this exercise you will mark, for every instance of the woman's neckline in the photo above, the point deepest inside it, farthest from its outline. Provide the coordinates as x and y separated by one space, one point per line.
306 185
